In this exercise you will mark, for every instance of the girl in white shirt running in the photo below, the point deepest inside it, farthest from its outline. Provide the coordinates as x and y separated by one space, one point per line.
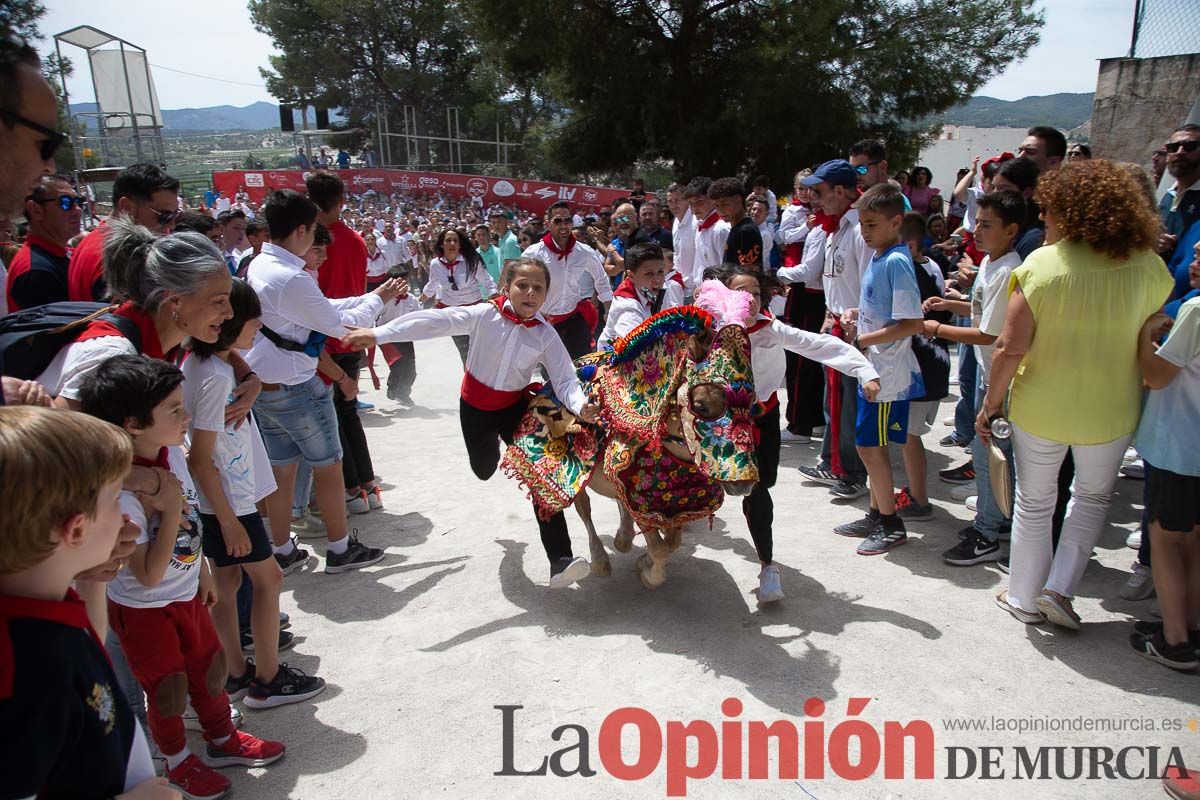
457 277
509 337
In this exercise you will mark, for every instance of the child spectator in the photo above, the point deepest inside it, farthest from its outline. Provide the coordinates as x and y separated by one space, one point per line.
71 733
888 316
158 603
640 295
232 472
401 357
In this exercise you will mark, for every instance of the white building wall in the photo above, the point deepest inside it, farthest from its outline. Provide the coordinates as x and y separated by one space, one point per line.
959 144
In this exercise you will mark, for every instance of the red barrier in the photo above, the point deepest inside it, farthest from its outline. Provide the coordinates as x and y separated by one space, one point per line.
535 196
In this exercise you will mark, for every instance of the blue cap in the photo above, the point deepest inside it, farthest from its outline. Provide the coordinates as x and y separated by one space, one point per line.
836 173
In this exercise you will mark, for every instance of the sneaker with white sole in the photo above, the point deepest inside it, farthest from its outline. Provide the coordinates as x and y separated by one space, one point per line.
375 498
308 527
1134 540
1059 611
818 432
974 549
567 570
1028 617
191 722
1136 470
242 750
289 685
1140 585
972 503
357 504
860 528
818 473
963 491
197 781
847 489
796 438
909 510
1155 647
882 539
292 561
357 556
769 588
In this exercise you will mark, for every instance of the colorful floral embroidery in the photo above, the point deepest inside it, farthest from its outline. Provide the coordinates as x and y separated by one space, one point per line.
101 702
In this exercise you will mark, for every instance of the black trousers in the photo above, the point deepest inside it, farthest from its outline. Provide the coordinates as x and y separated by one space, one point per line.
575 335
805 379
402 374
482 433
357 469
758 507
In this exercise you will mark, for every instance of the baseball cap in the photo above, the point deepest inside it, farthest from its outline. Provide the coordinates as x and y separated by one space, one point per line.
837 172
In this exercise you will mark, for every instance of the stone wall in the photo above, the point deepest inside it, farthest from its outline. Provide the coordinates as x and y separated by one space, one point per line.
1139 101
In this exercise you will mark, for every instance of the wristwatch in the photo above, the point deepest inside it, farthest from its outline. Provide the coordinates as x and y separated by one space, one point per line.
856 345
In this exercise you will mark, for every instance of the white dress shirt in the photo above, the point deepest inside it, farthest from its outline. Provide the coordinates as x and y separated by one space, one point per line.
812 260
767 232
676 290
846 259
631 308
683 238
396 250
564 294
503 353
293 306
793 225
710 249
472 288
769 338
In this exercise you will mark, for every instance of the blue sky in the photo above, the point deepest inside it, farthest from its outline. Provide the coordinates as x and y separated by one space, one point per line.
216 39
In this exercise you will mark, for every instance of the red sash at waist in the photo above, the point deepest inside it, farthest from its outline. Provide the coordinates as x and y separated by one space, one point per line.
486 398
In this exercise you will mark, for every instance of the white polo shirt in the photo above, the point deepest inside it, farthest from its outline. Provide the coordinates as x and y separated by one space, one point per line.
565 274
683 242
710 246
846 259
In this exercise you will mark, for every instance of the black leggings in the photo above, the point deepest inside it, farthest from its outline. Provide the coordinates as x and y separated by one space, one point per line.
482 433
805 378
758 507
357 469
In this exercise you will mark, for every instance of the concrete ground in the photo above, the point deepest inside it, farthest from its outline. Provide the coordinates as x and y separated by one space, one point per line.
421 648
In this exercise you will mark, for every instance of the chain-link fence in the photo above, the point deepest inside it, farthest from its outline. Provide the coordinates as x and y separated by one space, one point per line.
1165 28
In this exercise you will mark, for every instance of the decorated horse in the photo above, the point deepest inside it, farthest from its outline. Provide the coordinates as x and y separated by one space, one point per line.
676 398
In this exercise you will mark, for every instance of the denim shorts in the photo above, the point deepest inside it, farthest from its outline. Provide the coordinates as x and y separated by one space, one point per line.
298 422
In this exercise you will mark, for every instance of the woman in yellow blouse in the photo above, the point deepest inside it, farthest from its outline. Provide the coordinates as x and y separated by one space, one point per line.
1069 348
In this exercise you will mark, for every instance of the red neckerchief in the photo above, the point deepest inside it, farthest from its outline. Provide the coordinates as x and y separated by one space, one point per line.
764 319
675 276
151 346
709 221
562 254
69 611
160 461
829 223
450 271
627 289
505 308
53 248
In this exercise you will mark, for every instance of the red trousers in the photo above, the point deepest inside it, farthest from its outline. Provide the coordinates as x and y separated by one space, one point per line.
176 640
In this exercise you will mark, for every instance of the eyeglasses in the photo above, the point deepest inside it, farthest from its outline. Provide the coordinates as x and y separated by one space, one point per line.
621 220
65 201
561 220
862 169
164 217
1186 146
49 145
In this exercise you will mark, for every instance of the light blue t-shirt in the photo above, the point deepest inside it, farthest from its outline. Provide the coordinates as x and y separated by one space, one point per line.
509 249
1168 436
491 260
890 294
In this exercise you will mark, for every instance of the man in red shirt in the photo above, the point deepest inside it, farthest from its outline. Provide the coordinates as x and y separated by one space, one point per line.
344 274
142 192
38 273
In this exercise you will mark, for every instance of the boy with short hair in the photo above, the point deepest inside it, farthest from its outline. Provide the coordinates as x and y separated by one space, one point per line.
744 243
640 295
158 603
999 220
72 733
888 316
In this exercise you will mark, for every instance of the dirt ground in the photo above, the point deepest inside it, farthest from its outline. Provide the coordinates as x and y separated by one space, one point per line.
421 648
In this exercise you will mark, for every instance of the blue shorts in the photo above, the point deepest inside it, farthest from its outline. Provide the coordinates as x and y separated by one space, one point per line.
880 423
214 541
298 422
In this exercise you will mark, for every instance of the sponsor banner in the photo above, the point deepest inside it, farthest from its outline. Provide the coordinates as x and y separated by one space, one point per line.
534 196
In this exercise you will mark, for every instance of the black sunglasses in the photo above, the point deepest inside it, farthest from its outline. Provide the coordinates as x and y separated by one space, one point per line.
164 217
49 145
1186 146
65 201
561 220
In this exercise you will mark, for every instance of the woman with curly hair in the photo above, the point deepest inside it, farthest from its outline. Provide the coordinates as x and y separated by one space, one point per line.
1069 350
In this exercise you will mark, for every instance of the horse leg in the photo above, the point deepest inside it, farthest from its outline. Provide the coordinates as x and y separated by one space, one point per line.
623 539
652 565
600 562
674 538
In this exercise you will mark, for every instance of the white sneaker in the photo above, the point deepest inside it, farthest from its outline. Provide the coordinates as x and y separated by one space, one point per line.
358 504
308 527
972 503
191 721
962 491
787 436
1135 470
818 432
1131 455
1140 585
769 589
566 571
1134 540
948 421
375 499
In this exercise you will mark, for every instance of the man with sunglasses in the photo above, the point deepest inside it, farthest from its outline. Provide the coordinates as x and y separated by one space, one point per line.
28 113
869 159
38 273
1180 206
143 193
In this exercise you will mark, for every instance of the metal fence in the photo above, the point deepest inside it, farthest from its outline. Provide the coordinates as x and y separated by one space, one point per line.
1165 28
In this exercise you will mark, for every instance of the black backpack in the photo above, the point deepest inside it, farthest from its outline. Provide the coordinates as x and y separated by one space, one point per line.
32 337
933 356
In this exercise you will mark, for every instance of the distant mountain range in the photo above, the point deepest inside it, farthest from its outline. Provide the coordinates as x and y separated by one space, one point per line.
1065 111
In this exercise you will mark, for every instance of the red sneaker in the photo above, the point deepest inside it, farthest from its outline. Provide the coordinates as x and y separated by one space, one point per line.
1182 784
904 499
243 750
196 781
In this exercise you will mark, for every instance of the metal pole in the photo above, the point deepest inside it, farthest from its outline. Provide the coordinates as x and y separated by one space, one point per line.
76 145
449 140
159 150
137 136
497 138
407 145
1137 21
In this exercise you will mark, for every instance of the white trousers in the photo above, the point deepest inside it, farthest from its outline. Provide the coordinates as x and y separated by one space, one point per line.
1033 563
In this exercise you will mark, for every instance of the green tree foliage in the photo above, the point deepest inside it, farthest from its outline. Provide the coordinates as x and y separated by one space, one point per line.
724 87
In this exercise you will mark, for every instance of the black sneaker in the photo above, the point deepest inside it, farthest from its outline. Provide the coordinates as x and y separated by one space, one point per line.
860 528
357 556
950 440
236 688
974 549
1003 564
567 570
847 489
818 473
287 640
290 685
882 539
1151 627
293 561
1180 656
963 474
